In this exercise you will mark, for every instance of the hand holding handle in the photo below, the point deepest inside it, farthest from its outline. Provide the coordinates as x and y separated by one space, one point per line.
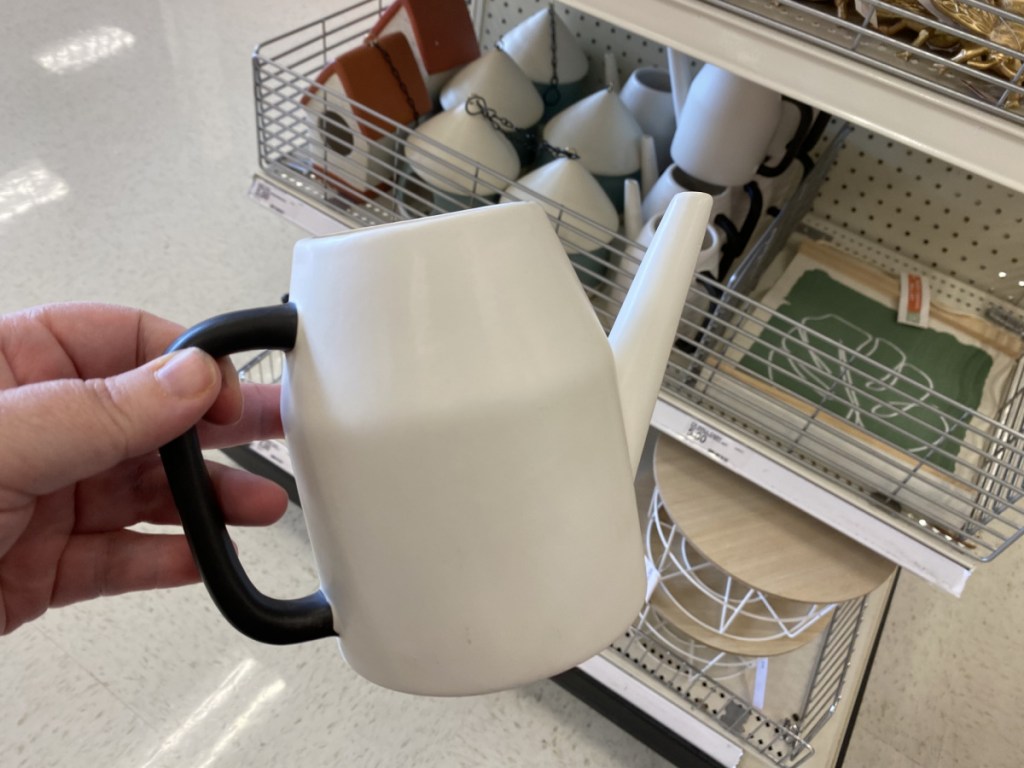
263 618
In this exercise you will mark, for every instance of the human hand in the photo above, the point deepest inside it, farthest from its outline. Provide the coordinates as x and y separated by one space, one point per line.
85 401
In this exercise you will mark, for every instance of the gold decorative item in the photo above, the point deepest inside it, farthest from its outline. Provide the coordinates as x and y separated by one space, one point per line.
889 23
1000 30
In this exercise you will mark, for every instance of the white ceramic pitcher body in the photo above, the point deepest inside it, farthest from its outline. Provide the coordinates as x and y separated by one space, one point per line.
465 490
464 439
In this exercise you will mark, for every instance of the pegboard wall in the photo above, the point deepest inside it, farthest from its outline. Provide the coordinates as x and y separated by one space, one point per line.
932 212
929 211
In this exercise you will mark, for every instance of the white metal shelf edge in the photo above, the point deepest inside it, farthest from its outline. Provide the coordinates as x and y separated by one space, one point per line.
903 549
621 681
920 119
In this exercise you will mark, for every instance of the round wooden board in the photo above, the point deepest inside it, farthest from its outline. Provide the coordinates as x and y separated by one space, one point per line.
758 538
668 593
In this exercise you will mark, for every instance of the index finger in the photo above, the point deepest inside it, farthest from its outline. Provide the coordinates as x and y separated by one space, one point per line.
98 340
104 339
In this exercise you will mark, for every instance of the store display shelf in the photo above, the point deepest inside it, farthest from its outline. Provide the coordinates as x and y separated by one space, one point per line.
905 542
956 112
937 518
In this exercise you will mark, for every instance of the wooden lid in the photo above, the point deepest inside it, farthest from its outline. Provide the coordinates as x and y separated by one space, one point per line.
758 538
746 634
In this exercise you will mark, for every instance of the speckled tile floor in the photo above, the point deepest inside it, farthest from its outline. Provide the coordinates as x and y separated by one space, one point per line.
129 146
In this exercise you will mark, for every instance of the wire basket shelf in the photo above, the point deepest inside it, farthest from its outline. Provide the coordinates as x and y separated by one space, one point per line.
975 507
963 491
716 686
968 50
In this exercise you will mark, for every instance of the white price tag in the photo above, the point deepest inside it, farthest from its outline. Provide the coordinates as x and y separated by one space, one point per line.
715 445
274 451
760 682
294 209
915 300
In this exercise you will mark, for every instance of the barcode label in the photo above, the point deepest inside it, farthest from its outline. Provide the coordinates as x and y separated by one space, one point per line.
293 208
274 451
714 444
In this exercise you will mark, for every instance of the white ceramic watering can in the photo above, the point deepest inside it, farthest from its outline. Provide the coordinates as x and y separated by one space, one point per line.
464 439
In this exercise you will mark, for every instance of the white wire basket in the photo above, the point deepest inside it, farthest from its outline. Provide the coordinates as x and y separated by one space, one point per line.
722 688
724 611
969 50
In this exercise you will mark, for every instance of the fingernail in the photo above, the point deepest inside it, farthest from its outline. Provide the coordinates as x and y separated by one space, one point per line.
186 373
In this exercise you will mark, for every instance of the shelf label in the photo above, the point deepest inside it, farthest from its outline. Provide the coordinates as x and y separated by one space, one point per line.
292 208
714 444
274 451
760 682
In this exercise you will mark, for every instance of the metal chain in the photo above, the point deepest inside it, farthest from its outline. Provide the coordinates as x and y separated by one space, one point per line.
477 105
398 78
551 94
551 149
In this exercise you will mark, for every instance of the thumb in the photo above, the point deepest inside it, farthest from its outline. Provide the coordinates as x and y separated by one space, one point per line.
58 432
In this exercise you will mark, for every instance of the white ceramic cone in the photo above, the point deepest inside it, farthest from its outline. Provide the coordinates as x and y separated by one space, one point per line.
471 135
568 183
602 131
529 44
497 78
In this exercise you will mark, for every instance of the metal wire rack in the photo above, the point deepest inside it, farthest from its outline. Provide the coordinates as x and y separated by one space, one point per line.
709 687
715 601
980 61
974 508
965 494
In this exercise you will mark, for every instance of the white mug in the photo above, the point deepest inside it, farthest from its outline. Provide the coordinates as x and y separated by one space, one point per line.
725 126
464 439
647 94
727 201
736 211
708 260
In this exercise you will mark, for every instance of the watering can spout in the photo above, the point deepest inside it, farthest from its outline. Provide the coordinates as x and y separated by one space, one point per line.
645 329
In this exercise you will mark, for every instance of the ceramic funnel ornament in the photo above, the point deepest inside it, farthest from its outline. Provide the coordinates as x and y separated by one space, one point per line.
567 182
497 79
463 179
547 51
606 136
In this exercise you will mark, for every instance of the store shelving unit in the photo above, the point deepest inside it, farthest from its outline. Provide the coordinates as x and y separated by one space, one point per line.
956 113
918 117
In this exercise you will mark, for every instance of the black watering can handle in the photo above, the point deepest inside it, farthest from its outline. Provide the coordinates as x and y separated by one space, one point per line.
263 618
